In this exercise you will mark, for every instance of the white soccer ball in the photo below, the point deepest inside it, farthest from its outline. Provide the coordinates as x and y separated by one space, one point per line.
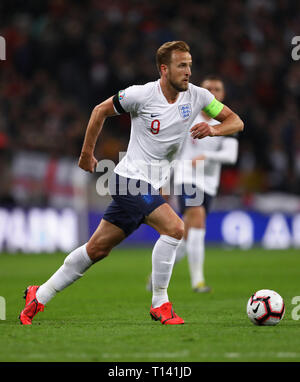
265 307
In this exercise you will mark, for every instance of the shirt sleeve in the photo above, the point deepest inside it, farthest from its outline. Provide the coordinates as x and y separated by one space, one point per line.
127 100
211 106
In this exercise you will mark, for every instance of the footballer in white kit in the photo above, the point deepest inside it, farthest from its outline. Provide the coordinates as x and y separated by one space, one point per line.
158 128
162 115
206 157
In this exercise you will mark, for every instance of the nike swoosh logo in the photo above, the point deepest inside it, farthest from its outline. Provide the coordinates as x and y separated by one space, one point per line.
154 115
159 318
256 309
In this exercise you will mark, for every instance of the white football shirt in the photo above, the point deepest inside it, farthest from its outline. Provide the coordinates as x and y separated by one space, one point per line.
217 150
158 129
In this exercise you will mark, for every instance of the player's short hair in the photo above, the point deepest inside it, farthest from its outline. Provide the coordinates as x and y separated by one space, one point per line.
212 77
164 52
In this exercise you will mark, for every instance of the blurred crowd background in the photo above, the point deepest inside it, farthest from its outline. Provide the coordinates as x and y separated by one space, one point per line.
63 57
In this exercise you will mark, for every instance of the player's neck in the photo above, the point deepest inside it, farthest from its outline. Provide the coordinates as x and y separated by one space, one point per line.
169 92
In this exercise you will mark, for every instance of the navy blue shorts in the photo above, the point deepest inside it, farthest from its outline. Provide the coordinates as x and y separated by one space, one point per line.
133 200
204 199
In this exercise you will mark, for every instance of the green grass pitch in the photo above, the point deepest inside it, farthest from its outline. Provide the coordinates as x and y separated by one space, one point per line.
104 317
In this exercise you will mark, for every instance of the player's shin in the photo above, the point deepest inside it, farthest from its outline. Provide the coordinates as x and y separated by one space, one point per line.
163 257
74 266
180 251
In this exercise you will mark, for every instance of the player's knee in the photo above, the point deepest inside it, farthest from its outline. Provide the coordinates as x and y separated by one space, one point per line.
176 230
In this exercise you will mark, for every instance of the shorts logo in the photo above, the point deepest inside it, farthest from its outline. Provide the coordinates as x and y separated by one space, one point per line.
185 110
121 94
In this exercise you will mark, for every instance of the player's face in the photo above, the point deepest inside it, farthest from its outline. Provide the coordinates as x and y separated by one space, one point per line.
179 70
216 87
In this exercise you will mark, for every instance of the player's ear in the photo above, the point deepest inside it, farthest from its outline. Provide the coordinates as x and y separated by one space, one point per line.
163 69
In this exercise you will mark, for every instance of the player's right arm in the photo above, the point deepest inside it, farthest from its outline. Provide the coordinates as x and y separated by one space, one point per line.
87 160
125 101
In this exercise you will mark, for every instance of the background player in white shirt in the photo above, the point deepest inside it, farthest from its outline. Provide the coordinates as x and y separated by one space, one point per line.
214 151
162 113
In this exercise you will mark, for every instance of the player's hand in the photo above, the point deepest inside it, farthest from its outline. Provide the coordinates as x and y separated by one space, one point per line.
202 130
87 162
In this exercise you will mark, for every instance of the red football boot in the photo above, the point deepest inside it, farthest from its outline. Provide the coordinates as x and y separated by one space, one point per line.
165 314
32 306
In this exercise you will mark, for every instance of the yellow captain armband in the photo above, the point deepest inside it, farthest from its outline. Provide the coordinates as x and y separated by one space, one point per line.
214 108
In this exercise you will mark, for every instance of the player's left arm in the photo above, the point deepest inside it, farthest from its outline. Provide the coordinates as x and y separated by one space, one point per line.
230 122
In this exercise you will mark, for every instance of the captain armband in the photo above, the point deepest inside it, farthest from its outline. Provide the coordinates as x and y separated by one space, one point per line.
214 108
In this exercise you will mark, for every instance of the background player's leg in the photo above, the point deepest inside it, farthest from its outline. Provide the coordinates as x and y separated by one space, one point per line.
105 237
171 227
195 222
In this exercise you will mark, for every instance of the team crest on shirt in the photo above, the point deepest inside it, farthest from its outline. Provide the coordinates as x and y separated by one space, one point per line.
121 94
185 110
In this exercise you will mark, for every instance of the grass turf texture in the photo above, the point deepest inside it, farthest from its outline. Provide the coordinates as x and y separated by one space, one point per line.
105 317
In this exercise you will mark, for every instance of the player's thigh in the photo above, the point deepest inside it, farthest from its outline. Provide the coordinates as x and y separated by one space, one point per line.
165 221
195 217
104 239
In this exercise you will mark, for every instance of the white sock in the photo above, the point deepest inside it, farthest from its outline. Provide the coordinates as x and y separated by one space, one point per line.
180 251
163 257
75 264
195 250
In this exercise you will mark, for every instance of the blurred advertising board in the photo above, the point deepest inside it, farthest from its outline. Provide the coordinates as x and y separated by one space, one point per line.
37 230
242 229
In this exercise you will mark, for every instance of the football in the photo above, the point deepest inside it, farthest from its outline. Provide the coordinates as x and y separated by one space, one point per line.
265 307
